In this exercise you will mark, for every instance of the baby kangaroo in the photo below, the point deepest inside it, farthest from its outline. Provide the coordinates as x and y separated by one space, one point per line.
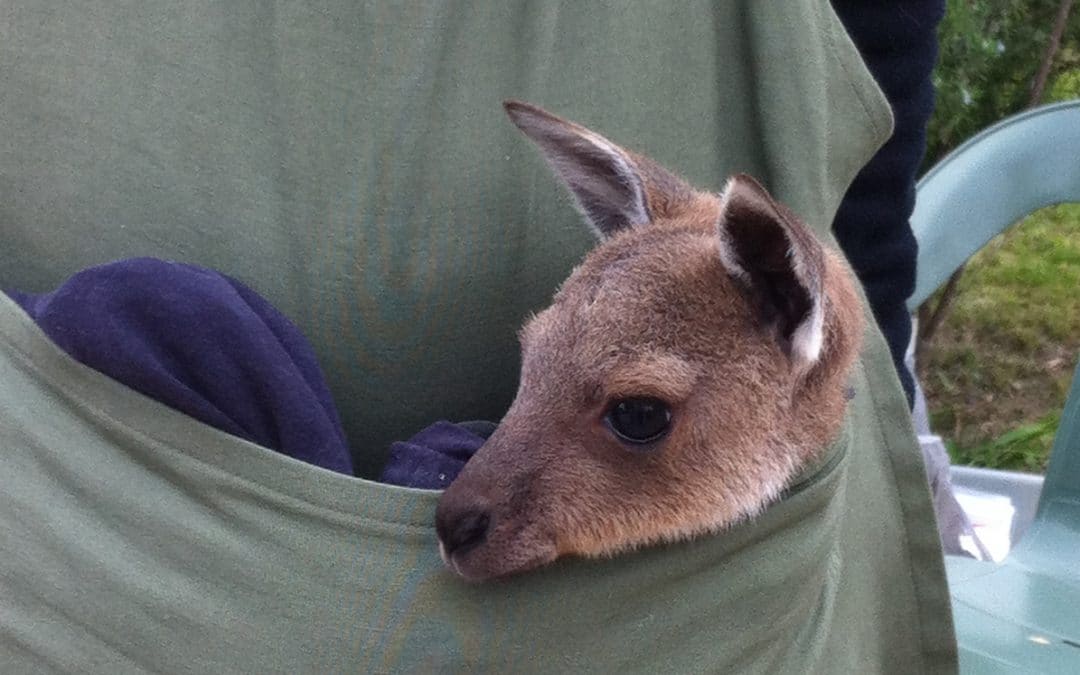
686 370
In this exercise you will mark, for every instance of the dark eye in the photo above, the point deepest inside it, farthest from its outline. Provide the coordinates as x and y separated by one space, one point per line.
639 420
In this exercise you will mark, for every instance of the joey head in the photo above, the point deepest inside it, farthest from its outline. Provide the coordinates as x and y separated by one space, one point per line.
683 374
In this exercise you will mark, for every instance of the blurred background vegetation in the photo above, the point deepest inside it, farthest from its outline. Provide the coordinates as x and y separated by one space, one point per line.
997 369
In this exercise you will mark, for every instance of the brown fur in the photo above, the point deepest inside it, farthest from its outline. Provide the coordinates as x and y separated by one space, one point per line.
653 311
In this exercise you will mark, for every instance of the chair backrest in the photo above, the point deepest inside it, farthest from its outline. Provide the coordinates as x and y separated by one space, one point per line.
1004 173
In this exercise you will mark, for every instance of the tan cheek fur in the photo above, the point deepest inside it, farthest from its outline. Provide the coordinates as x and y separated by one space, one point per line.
755 423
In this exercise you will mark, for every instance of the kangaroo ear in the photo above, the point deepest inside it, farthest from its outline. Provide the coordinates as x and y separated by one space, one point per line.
605 182
780 263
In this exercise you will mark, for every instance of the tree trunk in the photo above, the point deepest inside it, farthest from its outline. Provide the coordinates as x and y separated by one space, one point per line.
1039 84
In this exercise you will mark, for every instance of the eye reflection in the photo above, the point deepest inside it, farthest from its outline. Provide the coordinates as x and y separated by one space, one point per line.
639 420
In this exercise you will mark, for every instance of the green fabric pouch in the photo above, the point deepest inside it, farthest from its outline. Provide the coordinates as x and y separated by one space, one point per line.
147 542
350 162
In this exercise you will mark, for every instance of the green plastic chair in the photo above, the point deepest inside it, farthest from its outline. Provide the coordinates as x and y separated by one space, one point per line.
1022 615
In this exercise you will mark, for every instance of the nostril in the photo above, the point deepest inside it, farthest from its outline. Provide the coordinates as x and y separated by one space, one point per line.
463 532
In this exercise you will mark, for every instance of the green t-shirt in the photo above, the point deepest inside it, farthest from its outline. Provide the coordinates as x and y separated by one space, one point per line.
351 162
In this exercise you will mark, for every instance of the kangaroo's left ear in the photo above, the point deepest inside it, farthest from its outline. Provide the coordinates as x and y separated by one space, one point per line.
605 181
780 263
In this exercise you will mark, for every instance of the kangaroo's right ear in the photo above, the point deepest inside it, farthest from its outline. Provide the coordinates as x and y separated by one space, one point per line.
780 263
605 181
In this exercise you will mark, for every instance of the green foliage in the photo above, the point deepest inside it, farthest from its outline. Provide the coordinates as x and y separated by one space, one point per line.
1026 448
1021 289
998 372
990 51
1065 86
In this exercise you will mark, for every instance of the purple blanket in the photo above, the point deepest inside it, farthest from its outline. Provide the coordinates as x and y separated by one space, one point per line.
208 346
433 458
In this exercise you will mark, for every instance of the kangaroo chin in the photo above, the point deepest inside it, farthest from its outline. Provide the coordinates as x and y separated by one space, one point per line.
681 377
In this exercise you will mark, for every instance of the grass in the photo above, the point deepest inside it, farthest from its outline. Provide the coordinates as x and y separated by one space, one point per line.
998 370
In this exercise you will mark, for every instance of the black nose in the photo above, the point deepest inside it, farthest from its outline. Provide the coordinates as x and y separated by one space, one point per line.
463 531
